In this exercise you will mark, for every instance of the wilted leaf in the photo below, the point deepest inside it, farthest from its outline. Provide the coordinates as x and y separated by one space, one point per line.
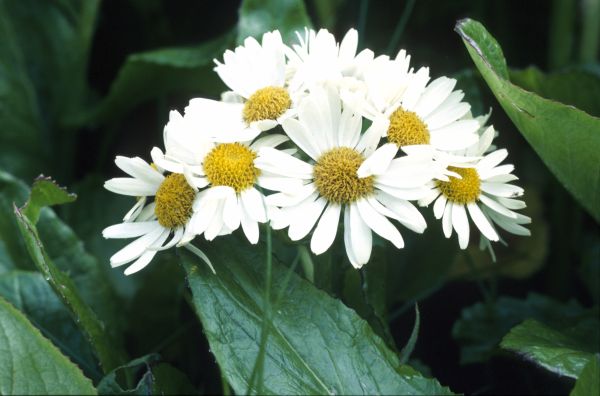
316 345
566 138
30 364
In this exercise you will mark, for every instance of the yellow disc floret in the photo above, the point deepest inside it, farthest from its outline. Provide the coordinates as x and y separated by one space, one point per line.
406 128
463 190
174 200
336 179
231 164
267 103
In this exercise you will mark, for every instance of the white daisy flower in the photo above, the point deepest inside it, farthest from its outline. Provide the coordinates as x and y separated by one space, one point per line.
228 170
414 112
318 58
171 213
347 174
483 191
255 74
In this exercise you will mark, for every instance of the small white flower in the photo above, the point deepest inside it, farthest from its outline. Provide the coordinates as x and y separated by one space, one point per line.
482 190
171 212
413 112
255 74
227 170
318 58
347 174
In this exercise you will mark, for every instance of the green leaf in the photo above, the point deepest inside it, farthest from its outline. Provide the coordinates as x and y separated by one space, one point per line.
152 74
30 293
588 382
30 364
577 87
45 192
316 344
566 138
109 385
482 326
107 352
260 16
565 352
43 61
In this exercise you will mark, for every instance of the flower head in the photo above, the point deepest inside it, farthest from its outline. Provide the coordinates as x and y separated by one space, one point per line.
226 172
255 73
171 212
344 173
483 190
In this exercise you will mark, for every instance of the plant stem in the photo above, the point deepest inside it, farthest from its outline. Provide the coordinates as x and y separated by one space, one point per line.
560 46
395 40
590 33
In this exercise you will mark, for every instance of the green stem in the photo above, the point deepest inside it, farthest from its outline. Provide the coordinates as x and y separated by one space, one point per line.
562 19
590 33
395 40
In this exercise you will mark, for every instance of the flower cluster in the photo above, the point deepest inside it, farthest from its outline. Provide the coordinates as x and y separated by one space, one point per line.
310 134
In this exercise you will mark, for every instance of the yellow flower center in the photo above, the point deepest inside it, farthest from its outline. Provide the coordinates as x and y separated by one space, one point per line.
336 179
406 128
174 200
266 104
463 190
231 164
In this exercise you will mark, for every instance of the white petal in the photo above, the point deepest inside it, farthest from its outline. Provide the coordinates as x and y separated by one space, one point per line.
302 137
491 160
141 262
284 199
254 204
232 212
502 190
447 220
304 218
439 206
136 248
379 224
279 163
250 227
494 205
269 141
129 230
130 186
326 229
379 161
360 239
460 222
513 204
139 169
482 222
174 241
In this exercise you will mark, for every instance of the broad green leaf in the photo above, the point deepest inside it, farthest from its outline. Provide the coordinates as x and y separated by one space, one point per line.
566 138
588 382
109 354
152 74
316 344
30 293
482 326
577 87
43 60
30 364
565 352
260 16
